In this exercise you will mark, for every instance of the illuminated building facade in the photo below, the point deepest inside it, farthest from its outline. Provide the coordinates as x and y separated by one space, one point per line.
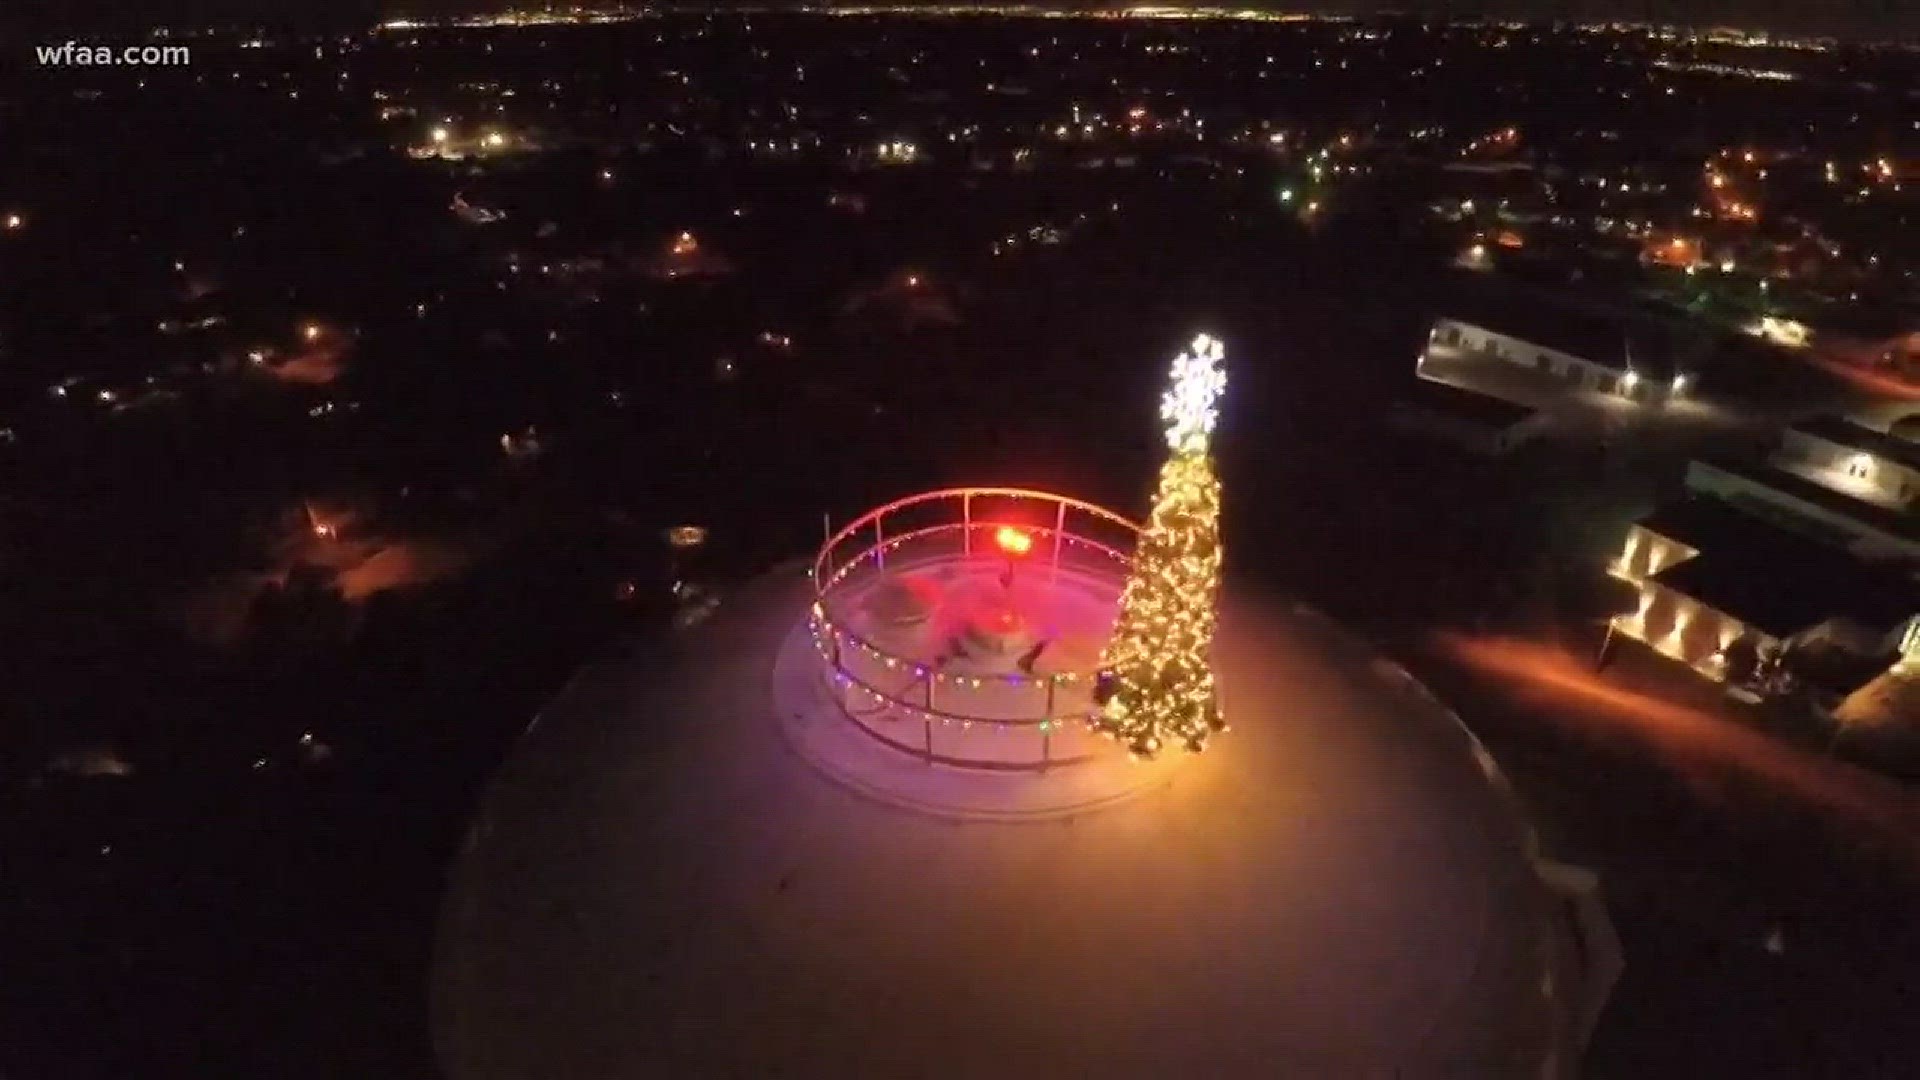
1619 377
1730 593
1852 460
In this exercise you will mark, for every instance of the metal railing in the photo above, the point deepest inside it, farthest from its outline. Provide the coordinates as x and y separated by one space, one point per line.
1001 721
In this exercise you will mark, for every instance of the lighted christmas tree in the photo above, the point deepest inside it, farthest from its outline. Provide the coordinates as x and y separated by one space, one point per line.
1156 676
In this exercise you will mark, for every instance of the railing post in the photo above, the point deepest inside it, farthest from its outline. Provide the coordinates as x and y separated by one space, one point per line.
1046 728
1059 533
879 545
928 722
966 523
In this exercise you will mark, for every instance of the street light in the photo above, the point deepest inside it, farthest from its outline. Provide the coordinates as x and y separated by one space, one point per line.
683 537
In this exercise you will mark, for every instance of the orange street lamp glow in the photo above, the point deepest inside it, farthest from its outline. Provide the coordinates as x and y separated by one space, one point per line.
311 331
682 537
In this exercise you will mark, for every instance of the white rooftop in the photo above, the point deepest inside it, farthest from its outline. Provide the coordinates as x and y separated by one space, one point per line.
658 885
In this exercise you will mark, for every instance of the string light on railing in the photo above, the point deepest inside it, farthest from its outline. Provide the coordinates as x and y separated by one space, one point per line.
821 629
835 642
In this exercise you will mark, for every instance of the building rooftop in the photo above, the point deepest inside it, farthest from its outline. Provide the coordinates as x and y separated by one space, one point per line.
1843 432
1876 518
1607 340
1774 578
1702 522
661 883
1450 400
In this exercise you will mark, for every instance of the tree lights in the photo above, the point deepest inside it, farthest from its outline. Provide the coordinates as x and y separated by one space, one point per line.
1156 678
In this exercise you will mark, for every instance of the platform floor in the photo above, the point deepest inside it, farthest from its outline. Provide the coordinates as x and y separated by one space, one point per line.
1072 610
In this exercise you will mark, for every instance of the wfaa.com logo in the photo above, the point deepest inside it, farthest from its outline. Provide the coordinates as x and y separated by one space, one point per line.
80 54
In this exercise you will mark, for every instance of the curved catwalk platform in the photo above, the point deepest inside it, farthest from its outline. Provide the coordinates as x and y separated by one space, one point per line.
659 885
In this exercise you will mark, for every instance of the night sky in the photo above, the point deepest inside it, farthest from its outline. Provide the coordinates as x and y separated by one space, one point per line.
1872 18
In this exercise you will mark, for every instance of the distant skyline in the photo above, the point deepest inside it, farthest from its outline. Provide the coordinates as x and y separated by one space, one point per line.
1864 18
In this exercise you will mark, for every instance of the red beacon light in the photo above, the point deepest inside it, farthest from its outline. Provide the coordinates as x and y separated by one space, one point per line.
1014 544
